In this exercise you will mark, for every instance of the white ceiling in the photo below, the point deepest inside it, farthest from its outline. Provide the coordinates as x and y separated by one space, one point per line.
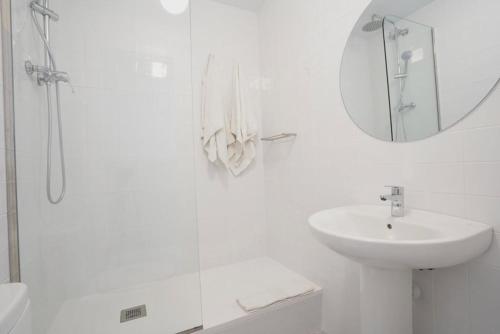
253 5
397 7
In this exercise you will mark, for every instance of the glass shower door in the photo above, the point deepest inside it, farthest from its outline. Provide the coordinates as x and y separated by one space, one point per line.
119 254
412 79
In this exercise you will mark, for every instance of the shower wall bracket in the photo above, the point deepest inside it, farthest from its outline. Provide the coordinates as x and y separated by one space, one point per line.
40 9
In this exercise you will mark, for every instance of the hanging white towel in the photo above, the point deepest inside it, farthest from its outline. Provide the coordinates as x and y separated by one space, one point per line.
241 145
214 117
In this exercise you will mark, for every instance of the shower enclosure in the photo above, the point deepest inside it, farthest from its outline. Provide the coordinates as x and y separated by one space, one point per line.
118 253
389 78
411 79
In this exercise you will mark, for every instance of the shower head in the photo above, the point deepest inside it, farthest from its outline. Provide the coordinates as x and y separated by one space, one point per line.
375 24
407 55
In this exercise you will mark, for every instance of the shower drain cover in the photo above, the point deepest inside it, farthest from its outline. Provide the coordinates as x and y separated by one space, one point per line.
133 313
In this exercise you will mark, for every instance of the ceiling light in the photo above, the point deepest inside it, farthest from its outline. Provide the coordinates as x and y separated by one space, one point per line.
175 7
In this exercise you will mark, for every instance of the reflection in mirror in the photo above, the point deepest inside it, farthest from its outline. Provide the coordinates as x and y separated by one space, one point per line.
414 68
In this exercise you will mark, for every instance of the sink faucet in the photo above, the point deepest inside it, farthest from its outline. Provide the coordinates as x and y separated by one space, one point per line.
397 198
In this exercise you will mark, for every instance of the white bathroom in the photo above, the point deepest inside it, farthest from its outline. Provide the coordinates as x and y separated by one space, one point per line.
250 167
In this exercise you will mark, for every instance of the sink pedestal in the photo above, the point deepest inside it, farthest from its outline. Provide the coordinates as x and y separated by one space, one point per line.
386 301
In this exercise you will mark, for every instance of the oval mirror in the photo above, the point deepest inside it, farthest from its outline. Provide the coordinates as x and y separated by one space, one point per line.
414 68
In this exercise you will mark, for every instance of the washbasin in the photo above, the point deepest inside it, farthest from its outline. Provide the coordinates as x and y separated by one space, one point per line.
419 240
388 247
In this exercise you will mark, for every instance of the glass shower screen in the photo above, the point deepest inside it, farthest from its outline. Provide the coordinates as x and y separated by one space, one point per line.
411 79
119 252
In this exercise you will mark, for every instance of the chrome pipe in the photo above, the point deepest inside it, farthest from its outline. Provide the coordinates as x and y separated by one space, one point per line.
37 7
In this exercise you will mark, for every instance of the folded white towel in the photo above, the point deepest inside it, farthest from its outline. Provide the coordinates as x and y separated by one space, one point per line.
243 127
271 296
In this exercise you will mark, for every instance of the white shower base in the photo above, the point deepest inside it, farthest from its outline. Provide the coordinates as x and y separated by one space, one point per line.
172 306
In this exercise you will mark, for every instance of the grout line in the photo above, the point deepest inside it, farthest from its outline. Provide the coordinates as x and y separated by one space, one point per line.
481 162
465 194
482 196
481 127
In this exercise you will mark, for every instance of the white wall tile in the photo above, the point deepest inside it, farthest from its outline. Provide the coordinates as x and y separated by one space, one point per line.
484 299
333 163
482 179
231 210
481 145
451 301
450 204
484 209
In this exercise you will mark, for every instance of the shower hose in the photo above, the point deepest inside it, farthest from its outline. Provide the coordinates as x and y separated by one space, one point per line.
52 199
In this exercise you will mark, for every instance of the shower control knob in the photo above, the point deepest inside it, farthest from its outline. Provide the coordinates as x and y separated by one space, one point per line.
30 68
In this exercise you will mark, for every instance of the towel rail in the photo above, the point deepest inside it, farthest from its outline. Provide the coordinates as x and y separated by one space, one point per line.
279 136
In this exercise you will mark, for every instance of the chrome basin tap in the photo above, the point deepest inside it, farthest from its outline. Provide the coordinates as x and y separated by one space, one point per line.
397 198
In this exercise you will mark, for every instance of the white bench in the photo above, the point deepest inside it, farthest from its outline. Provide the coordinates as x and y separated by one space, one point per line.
222 286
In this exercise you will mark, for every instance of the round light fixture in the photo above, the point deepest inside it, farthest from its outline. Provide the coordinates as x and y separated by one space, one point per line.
175 7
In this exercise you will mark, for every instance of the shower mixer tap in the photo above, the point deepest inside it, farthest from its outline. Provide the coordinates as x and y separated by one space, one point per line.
45 75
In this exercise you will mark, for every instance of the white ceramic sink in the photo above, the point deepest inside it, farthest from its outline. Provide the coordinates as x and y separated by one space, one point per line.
388 248
419 240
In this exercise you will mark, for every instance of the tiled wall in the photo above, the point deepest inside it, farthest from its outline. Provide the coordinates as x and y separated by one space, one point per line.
235 206
231 210
333 163
129 215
